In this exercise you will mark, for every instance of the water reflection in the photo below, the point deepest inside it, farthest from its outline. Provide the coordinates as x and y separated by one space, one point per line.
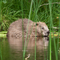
17 45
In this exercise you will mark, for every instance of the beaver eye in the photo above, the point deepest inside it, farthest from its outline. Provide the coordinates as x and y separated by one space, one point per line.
36 24
42 28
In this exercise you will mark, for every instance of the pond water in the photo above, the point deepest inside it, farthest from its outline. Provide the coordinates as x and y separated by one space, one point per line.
13 50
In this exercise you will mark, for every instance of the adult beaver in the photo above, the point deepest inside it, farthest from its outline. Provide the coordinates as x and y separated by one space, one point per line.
19 37
18 28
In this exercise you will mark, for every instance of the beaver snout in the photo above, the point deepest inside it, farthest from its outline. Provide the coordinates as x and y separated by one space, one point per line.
46 34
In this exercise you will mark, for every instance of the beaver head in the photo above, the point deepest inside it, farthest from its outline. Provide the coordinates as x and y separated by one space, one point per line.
41 29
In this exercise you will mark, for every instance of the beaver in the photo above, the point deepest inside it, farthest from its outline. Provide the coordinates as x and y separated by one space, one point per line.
27 28
26 33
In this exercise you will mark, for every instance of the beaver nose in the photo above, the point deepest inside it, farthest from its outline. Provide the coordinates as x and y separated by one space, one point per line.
48 32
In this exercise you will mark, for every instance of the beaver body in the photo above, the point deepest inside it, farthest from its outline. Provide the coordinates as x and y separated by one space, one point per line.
27 30
28 27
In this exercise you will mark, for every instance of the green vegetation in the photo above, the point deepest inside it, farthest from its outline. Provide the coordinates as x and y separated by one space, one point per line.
11 10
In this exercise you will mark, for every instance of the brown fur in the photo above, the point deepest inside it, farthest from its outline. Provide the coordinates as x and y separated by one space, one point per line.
34 31
16 29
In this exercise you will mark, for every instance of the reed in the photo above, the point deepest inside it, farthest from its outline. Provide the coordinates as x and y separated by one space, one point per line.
51 25
0 27
50 8
27 29
58 37
0 53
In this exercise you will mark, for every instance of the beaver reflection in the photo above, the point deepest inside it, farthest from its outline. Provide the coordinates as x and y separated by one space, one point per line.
16 45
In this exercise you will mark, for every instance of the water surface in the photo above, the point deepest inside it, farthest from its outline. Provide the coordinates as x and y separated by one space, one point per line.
13 50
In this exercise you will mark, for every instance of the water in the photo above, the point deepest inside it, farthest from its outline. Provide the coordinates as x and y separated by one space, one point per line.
13 50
